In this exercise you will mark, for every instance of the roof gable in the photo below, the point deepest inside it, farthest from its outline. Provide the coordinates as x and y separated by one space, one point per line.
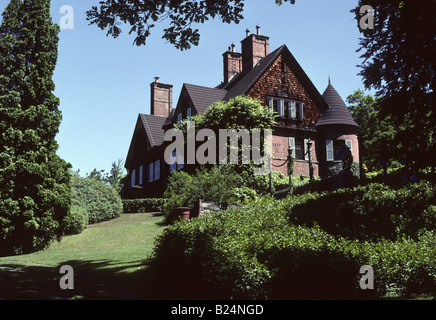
243 82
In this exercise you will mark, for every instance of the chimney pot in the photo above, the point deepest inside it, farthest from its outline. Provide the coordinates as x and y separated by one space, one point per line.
247 32
258 30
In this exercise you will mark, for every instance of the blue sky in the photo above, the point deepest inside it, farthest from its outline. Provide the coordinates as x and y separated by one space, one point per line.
103 83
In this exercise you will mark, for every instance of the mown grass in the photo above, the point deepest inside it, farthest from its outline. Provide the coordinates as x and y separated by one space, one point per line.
110 261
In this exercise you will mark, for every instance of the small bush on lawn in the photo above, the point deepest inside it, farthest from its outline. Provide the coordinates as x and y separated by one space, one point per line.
142 205
100 200
255 252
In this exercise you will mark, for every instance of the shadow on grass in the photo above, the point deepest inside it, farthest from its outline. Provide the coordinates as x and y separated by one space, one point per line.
93 280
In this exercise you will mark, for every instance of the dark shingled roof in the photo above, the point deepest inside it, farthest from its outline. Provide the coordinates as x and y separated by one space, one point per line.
203 97
154 127
337 113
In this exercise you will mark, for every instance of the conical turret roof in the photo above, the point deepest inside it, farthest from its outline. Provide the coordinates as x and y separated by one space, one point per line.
337 113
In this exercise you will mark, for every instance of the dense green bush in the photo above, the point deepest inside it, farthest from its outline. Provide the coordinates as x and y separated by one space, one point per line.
256 252
100 200
142 205
76 221
372 211
214 184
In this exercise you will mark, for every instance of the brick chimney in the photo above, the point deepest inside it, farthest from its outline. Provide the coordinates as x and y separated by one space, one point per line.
161 97
232 63
254 48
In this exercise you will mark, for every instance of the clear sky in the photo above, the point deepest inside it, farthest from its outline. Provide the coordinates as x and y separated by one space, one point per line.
103 83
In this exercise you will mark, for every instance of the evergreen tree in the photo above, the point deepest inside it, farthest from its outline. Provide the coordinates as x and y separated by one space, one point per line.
34 180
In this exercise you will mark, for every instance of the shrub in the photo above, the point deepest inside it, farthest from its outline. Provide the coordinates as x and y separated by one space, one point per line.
372 211
255 252
100 200
142 205
76 221
216 184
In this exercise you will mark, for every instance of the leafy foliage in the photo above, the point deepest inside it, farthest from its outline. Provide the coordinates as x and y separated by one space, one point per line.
398 61
100 200
34 180
182 15
256 252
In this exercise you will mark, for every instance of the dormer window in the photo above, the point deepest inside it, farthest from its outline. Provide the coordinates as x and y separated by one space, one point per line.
286 108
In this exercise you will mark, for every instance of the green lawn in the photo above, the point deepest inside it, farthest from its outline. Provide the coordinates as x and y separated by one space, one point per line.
110 261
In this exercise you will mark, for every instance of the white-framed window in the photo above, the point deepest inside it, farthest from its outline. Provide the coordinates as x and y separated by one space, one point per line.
330 155
286 108
156 170
348 144
292 145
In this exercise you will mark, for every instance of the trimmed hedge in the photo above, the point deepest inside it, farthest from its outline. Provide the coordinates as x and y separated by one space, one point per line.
256 252
143 205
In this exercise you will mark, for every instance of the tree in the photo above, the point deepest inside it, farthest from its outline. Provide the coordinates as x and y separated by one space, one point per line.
398 61
142 15
236 114
114 178
34 180
116 175
376 135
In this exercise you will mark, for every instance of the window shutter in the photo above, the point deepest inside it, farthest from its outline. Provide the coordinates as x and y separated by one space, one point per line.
306 155
180 161
271 103
292 145
132 178
173 165
157 170
292 110
150 172
300 110
329 150
141 172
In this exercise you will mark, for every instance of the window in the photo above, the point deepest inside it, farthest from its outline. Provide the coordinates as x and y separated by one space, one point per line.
188 112
156 170
180 117
333 148
141 172
150 172
299 149
286 108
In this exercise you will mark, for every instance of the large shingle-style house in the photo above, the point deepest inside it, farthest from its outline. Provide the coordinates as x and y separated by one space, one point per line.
276 80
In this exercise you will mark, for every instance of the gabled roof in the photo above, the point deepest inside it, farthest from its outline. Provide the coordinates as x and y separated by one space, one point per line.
338 112
243 82
203 97
154 128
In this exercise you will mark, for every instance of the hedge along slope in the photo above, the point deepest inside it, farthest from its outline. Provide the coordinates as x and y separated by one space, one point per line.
100 202
256 252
